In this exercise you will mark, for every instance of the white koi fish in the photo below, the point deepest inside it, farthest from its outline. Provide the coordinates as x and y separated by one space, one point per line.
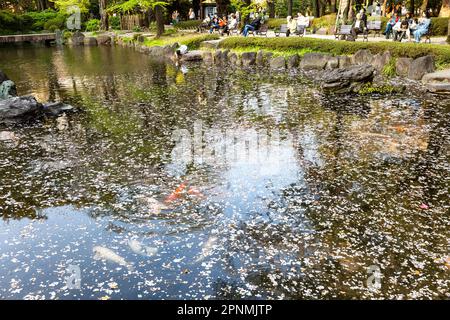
141 249
102 253
207 248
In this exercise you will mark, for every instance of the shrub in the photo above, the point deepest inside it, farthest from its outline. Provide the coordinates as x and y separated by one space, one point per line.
58 22
67 34
114 22
194 42
441 53
187 25
137 29
439 26
93 25
275 23
40 18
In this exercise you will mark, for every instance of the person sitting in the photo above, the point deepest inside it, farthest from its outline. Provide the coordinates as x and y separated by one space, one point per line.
302 21
400 30
359 26
291 26
223 25
214 24
232 23
253 26
362 12
205 24
390 24
422 27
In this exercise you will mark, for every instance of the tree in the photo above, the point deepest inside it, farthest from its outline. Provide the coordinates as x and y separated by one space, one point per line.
289 7
424 6
445 9
222 7
102 4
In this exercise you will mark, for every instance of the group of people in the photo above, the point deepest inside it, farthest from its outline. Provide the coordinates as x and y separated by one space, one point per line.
231 23
397 27
407 27
294 22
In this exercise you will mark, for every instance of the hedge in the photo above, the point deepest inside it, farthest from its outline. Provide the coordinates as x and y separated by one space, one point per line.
187 25
441 53
11 23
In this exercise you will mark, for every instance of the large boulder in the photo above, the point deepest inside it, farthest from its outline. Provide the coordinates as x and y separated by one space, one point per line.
363 56
402 66
90 41
380 60
333 63
7 89
56 108
344 61
248 58
420 66
346 80
233 58
104 39
210 44
314 60
278 63
207 56
438 82
78 38
293 61
18 107
260 60
195 55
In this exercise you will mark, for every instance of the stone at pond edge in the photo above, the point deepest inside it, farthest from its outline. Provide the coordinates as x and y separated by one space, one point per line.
18 107
314 60
438 82
7 89
55 108
333 63
346 80
278 63
380 60
402 66
344 61
3 76
293 61
90 41
233 58
363 56
260 59
104 39
420 66
195 55
77 38
248 58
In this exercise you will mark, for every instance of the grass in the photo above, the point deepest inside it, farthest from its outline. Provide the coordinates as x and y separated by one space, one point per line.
441 53
192 41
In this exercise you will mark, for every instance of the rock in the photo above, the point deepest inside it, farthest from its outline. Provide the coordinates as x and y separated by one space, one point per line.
55 108
402 66
363 56
248 58
420 66
195 55
207 56
7 136
332 63
293 61
260 61
90 41
59 37
314 60
77 38
17 107
380 60
348 79
156 51
3 77
210 44
438 82
278 63
233 58
344 61
322 31
221 57
268 56
7 89
104 39
170 49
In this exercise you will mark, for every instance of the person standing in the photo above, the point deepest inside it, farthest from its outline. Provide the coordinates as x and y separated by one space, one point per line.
191 14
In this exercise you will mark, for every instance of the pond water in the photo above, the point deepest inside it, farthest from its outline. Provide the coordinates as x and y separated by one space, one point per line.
287 193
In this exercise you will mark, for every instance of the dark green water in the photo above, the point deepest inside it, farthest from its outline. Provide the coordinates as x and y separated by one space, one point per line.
345 184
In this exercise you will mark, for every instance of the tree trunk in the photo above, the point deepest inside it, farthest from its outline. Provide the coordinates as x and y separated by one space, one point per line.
289 7
383 8
344 7
411 7
103 15
445 9
196 8
159 16
333 7
271 5
424 6
222 7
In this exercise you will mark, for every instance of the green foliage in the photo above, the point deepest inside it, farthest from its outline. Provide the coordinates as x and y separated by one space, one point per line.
11 23
439 26
276 23
93 25
189 24
114 22
389 69
130 6
194 42
65 6
441 53
55 23
67 34
40 18
137 29
370 88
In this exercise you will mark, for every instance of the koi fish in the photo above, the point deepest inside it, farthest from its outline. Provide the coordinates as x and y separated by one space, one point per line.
176 194
207 248
139 248
102 253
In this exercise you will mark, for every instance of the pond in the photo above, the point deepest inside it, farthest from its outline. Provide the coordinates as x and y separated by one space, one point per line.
203 182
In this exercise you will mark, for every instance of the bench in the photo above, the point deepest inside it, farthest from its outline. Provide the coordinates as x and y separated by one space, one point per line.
375 27
262 31
301 30
283 29
343 30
